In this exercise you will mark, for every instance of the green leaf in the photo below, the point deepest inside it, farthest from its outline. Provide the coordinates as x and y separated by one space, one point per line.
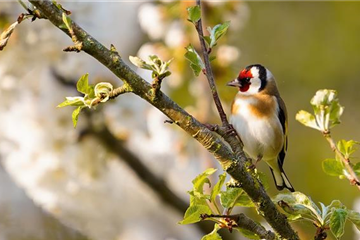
307 119
83 84
347 147
235 197
327 211
201 179
140 63
356 168
217 32
297 203
158 67
194 14
72 101
192 214
217 188
244 201
198 198
229 197
103 90
213 235
263 179
354 217
333 167
207 40
75 115
193 57
337 222
248 234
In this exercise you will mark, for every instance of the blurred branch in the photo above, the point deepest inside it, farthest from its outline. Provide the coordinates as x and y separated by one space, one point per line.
232 163
157 184
141 170
354 180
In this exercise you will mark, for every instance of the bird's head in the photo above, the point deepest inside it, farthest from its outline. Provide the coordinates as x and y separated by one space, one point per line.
253 79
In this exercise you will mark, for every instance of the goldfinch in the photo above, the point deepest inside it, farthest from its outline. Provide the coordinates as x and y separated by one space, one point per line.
258 114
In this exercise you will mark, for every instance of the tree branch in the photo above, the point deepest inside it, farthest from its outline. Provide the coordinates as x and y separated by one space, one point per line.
354 180
208 71
232 163
244 222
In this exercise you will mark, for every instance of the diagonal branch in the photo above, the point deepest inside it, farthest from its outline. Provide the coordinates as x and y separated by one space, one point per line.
232 163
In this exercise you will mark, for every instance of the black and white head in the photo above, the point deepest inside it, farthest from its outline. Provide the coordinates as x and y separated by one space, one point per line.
253 79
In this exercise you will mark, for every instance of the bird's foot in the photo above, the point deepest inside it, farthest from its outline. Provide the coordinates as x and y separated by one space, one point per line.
252 167
230 130
211 127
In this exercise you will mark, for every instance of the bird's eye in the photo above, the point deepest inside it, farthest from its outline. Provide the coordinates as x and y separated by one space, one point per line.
247 79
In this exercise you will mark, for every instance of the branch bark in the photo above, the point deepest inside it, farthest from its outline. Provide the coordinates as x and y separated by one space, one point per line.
233 163
244 222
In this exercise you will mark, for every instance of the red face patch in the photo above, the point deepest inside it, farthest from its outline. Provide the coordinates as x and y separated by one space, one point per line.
246 73
244 88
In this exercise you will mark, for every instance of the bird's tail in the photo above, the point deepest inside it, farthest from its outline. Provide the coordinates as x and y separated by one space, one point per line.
281 180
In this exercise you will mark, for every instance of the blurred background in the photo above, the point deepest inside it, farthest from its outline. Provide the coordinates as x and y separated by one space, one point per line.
123 173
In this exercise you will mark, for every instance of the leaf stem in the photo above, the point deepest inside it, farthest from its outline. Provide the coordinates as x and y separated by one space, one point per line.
352 175
120 90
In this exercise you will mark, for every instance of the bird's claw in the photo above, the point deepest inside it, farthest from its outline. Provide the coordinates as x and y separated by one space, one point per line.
230 130
211 127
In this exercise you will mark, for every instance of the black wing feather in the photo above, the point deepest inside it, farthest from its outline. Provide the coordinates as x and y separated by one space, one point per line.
282 119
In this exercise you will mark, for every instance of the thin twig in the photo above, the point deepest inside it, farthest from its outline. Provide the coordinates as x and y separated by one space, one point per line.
156 85
23 5
230 135
208 71
120 90
354 180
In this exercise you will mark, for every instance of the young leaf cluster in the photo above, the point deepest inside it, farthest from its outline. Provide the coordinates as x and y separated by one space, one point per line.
327 111
159 68
205 206
93 95
215 33
196 63
334 216
335 166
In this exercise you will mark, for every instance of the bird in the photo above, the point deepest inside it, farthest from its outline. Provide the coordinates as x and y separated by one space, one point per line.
259 116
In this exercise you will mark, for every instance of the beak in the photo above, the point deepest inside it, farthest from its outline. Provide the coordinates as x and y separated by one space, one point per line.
234 83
